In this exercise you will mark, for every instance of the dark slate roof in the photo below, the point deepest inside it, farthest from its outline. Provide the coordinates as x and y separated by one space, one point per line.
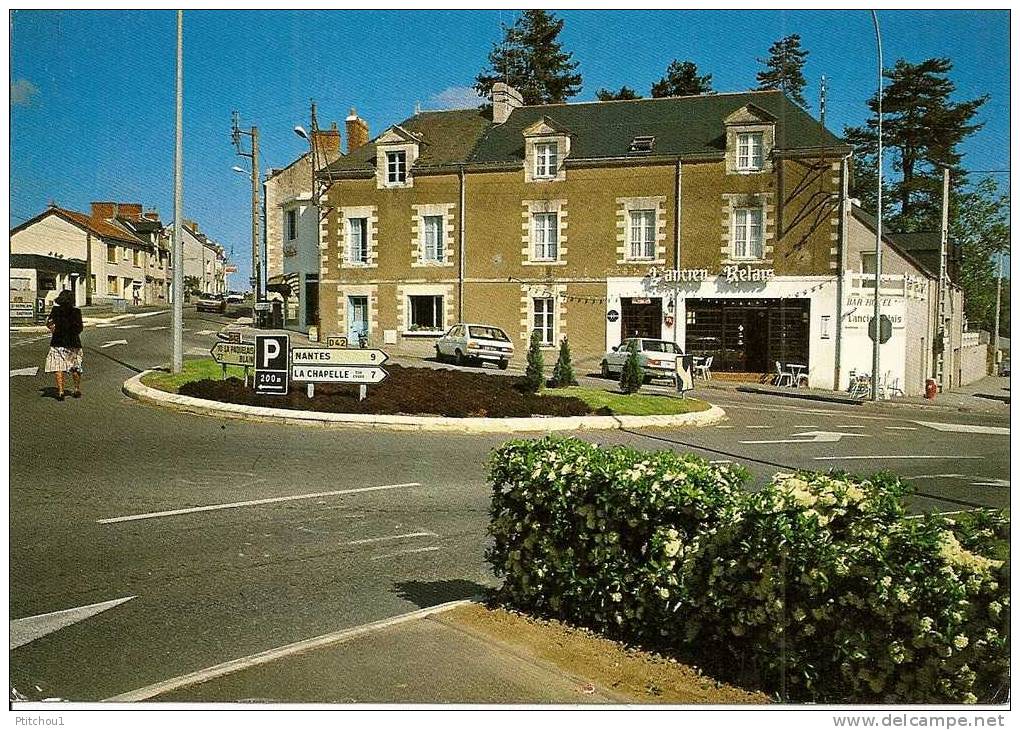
49 264
448 138
906 244
687 125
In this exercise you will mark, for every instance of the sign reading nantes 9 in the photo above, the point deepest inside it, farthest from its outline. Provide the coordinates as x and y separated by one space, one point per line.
272 364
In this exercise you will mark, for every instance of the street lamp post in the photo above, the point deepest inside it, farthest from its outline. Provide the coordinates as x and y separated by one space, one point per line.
177 363
877 341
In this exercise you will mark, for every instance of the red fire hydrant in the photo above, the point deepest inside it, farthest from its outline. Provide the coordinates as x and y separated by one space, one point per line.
931 389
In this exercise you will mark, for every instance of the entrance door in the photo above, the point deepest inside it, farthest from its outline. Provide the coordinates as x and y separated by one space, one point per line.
357 317
311 300
641 318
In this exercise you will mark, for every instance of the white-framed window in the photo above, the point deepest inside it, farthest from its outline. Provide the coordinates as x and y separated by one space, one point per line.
111 253
113 286
396 167
357 240
642 234
545 310
868 262
546 159
747 233
291 224
545 236
432 238
425 313
749 151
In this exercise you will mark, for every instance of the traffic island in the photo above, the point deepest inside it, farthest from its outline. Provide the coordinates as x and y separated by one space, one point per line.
418 399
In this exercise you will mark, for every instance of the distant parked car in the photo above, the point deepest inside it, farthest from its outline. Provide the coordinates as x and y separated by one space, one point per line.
475 342
1004 367
657 358
211 303
235 298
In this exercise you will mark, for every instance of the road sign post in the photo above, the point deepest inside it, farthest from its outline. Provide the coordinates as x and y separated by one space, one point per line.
272 361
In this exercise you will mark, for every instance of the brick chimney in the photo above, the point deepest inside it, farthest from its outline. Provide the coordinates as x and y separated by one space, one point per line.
104 210
505 99
357 131
327 141
130 211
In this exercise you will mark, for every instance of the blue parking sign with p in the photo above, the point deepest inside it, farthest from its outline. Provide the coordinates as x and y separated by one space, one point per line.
272 364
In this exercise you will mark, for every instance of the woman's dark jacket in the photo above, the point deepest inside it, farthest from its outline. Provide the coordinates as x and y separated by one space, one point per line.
67 326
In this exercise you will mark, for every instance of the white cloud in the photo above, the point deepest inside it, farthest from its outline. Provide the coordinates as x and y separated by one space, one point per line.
23 92
456 97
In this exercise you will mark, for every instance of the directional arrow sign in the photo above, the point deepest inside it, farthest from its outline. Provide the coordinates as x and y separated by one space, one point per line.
25 371
234 353
24 630
337 374
336 356
816 437
111 343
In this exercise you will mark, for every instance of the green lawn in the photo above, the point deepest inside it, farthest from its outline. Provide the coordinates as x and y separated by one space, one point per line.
632 405
199 369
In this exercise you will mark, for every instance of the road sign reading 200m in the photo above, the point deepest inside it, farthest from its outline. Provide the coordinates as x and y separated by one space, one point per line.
272 361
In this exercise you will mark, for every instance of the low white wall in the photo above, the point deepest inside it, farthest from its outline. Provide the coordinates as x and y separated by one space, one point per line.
973 363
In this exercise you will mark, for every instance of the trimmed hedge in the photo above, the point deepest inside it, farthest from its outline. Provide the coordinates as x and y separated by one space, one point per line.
817 587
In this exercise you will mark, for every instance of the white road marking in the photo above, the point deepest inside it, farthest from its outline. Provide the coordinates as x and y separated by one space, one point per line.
720 461
894 456
25 371
157 329
983 481
250 503
721 427
964 428
111 343
237 665
847 425
151 314
990 482
406 552
755 427
196 351
367 540
817 437
806 425
206 332
901 428
24 630
128 326
934 476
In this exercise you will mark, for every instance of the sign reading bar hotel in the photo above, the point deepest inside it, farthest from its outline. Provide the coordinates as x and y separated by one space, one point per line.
733 274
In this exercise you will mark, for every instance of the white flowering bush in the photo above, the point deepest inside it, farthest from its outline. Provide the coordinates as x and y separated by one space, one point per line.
817 586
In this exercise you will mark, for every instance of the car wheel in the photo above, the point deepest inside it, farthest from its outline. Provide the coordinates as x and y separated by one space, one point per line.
458 357
503 364
605 369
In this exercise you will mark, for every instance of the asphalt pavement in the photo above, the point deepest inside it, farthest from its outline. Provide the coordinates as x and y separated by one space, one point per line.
280 533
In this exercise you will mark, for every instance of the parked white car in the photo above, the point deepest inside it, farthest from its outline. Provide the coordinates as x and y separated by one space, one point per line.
657 357
475 342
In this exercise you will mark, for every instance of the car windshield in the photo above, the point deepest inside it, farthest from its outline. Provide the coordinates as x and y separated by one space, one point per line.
660 346
488 333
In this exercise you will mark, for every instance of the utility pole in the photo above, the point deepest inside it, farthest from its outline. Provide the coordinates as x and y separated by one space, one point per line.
876 345
943 310
178 252
998 308
256 259
821 103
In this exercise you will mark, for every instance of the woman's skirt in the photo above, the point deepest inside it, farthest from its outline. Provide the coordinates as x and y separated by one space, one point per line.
63 359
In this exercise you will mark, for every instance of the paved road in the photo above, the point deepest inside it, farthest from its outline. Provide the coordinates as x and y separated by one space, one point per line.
402 525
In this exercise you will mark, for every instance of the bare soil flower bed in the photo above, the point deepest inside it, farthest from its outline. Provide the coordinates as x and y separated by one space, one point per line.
410 391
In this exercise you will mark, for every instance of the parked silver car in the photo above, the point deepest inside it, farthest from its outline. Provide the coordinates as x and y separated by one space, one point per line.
475 342
657 358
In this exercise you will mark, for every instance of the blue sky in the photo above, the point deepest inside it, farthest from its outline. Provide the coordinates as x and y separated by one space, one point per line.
92 92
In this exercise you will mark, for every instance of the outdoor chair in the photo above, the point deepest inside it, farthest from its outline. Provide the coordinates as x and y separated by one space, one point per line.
704 369
782 376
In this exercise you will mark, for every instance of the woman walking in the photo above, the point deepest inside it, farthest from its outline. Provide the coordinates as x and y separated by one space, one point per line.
65 345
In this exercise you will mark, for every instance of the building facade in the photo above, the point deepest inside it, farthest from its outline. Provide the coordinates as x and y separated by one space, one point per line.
204 260
718 222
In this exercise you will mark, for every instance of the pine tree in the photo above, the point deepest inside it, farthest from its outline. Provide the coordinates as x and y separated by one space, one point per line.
625 92
632 377
534 374
563 372
981 230
922 129
682 79
784 69
531 59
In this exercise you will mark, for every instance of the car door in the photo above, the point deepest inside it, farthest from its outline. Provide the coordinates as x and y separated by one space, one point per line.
618 358
448 343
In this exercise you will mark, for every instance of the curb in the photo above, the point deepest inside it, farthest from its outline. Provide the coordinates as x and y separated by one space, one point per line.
134 388
845 400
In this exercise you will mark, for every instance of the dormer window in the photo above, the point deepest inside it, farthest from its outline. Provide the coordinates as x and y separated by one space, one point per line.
546 160
396 167
749 151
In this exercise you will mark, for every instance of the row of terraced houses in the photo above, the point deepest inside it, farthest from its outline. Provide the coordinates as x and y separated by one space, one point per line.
720 222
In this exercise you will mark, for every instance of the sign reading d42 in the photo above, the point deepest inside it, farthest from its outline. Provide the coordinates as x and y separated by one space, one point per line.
234 353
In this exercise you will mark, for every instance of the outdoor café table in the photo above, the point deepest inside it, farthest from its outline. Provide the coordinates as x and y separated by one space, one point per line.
795 371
